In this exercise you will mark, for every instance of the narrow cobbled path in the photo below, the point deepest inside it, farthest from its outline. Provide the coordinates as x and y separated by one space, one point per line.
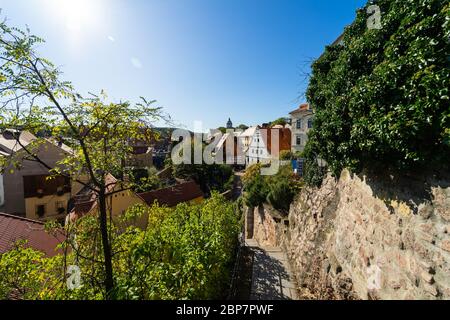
272 278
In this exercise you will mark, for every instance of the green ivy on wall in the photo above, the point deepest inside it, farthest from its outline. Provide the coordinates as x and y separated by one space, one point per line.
381 97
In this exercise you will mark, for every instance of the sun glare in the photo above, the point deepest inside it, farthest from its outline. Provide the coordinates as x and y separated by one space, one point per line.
78 16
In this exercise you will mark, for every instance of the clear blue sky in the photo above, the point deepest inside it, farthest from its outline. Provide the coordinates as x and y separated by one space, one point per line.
203 60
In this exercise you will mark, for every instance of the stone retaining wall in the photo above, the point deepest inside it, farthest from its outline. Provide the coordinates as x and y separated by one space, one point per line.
361 238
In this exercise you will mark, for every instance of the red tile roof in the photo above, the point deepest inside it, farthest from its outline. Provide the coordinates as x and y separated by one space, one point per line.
174 195
14 228
302 107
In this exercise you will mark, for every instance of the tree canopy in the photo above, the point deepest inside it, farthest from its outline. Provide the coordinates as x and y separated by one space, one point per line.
184 253
279 121
277 190
100 133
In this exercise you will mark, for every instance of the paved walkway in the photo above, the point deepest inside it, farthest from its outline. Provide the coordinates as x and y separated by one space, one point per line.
237 186
271 277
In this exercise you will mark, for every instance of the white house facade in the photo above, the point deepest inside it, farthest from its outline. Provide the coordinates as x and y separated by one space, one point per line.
263 148
302 122
257 150
246 137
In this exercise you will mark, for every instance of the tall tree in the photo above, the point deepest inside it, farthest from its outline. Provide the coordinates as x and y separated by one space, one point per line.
242 127
279 121
34 98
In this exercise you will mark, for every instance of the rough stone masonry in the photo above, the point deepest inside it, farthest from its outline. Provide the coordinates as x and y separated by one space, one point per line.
366 237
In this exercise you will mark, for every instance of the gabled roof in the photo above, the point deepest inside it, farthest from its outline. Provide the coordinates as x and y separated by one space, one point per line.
61 145
249 132
12 141
173 195
14 228
304 107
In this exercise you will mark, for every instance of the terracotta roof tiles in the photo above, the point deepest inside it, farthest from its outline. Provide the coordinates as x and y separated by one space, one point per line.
173 195
302 108
14 228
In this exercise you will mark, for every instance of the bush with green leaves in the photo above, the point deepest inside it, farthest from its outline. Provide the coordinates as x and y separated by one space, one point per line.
286 155
297 155
255 190
185 252
313 173
280 195
254 186
282 188
278 190
28 274
381 98
145 180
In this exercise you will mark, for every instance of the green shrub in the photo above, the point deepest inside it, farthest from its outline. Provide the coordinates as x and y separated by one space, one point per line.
255 191
280 195
382 98
286 155
186 252
278 190
282 188
297 155
313 174
251 172
146 180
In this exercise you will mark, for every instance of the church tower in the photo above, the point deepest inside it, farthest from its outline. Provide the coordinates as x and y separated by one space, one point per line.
229 124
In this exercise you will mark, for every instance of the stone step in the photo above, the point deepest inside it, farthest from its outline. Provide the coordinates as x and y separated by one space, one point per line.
251 243
271 249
